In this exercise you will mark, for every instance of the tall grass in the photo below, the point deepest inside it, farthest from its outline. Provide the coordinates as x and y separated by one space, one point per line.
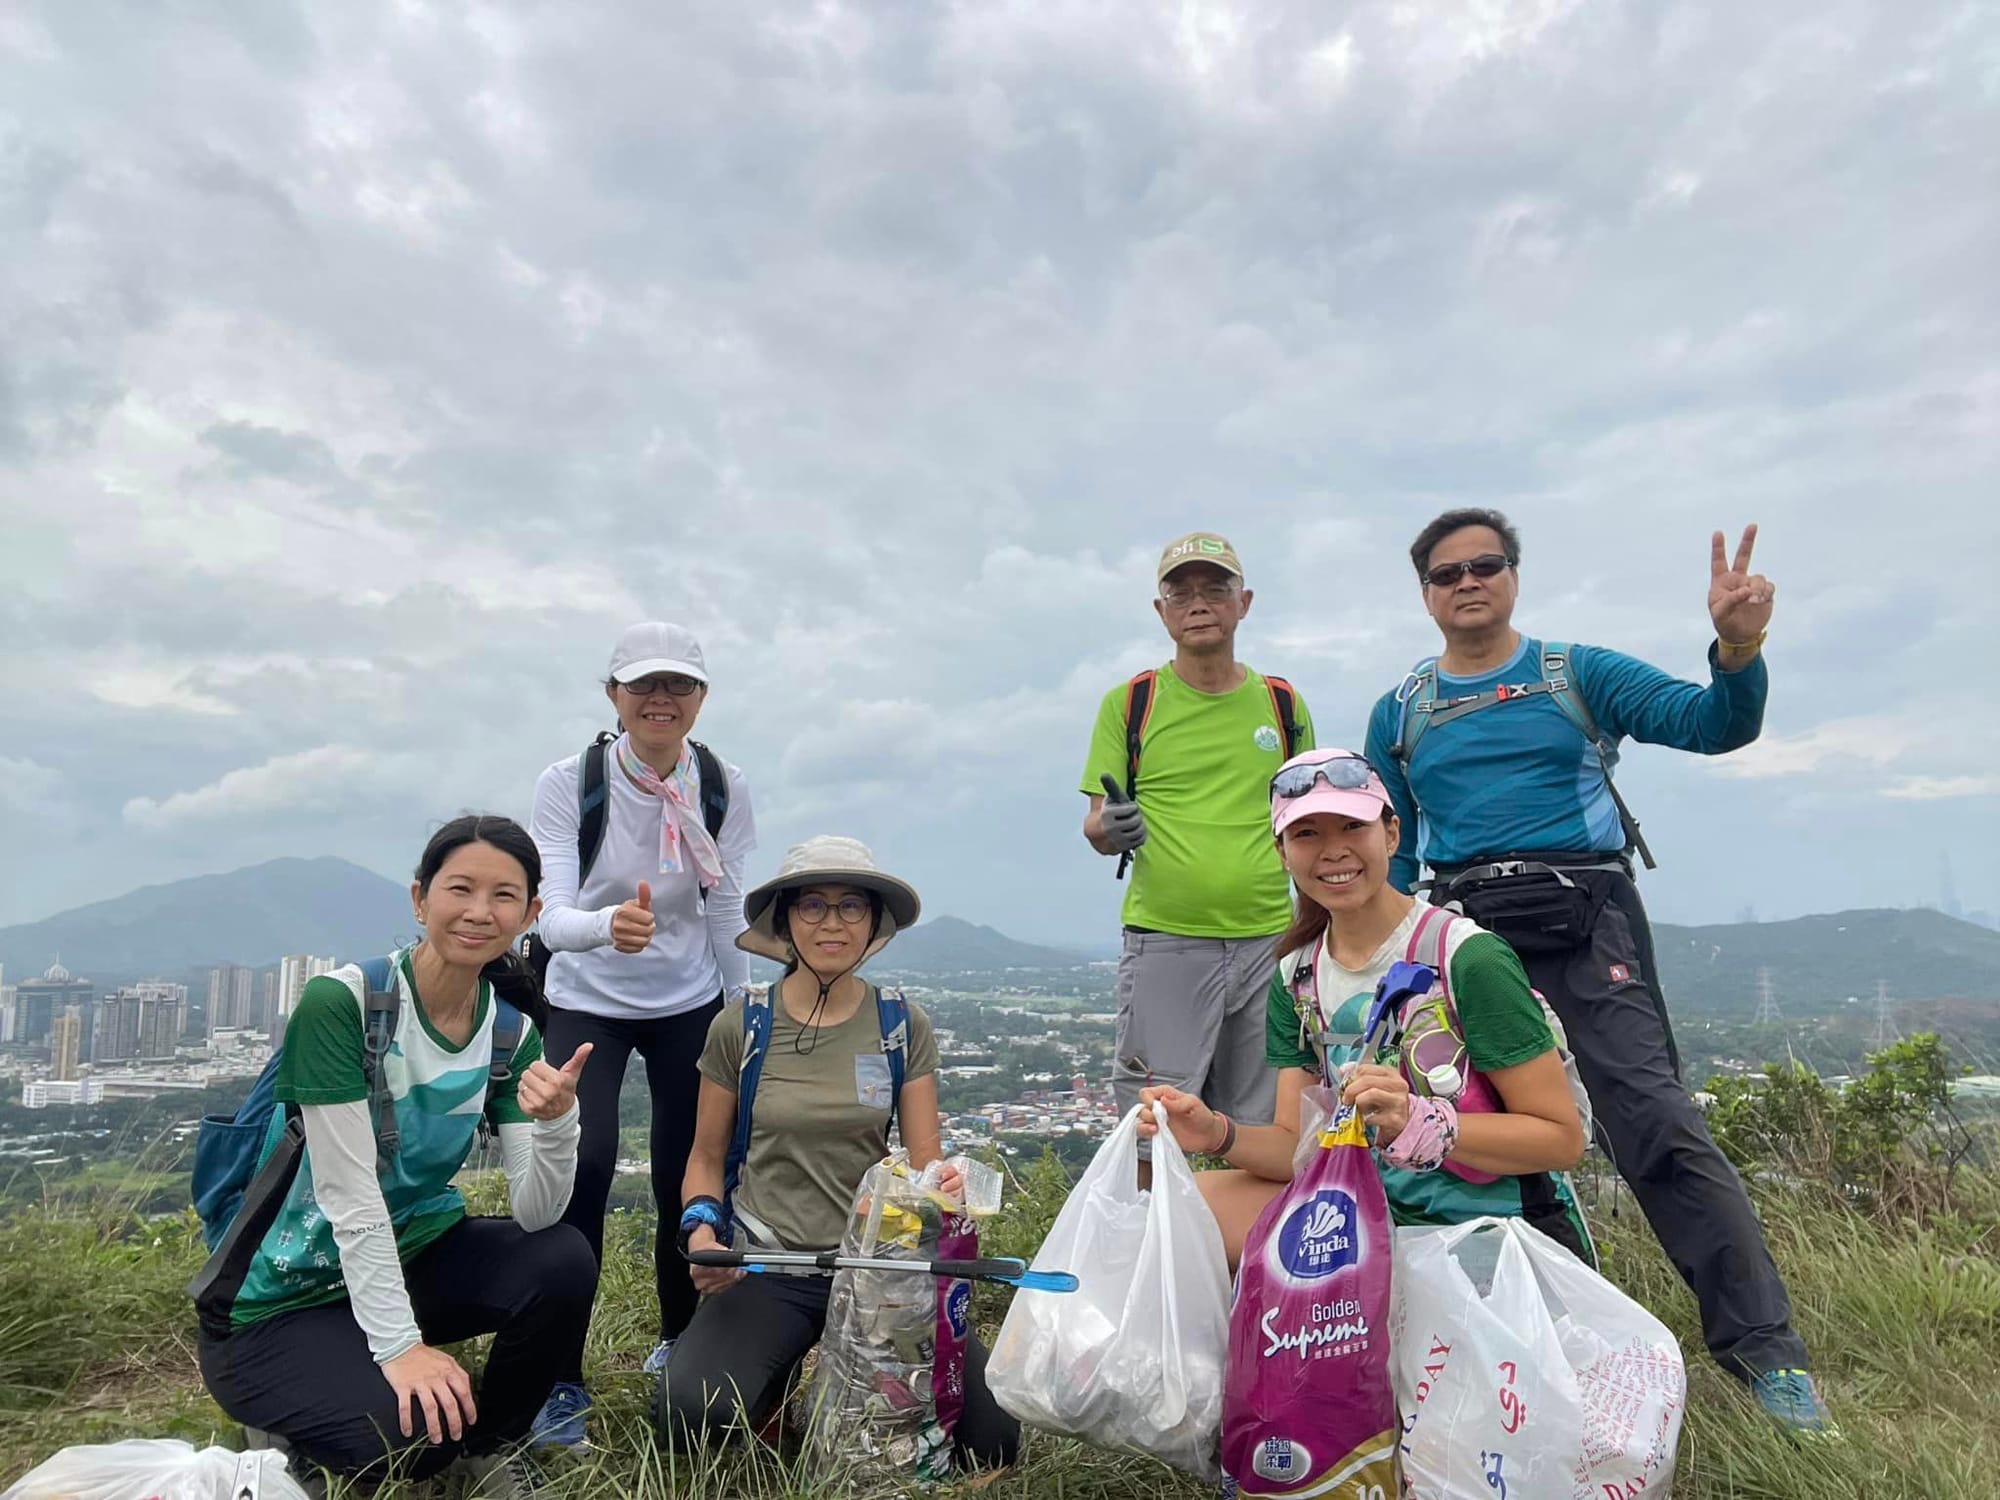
97 1343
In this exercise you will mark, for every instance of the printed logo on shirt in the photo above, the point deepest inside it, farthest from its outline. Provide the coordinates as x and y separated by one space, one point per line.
872 1086
1266 738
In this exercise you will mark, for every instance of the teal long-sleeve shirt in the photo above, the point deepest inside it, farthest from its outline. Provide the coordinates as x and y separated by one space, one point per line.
1519 776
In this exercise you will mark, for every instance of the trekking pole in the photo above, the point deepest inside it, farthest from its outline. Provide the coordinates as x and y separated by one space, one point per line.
1113 792
1006 1270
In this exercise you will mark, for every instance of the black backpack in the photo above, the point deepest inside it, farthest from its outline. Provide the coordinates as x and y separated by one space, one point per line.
593 807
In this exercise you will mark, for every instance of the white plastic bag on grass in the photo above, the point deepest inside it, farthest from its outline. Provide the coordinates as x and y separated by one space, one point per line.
1133 1358
157 1469
1519 1370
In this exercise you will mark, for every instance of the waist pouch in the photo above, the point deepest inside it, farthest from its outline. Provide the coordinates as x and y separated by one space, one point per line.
1537 910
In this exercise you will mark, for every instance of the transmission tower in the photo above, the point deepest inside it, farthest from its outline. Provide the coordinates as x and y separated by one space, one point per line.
1768 1013
1886 1030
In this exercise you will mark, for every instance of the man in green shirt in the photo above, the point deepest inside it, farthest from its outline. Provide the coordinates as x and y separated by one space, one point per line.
1193 747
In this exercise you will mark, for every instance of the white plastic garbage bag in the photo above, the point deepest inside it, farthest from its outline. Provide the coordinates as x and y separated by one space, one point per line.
1521 1371
1133 1358
157 1469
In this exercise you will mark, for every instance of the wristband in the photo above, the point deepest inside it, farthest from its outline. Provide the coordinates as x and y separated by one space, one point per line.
1742 646
699 1211
1427 1137
1228 1136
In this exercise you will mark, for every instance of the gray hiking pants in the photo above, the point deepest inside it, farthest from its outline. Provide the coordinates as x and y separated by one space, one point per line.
1191 1014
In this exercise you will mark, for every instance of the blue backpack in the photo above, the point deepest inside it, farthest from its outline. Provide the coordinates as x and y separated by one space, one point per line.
893 1014
238 1197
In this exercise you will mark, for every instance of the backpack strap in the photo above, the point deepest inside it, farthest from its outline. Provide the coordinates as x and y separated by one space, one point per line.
1285 704
1139 695
893 1012
1296 970
593 803
714 788
380 1009
508 1028
1430 945
1559 676
1414 702
749 1070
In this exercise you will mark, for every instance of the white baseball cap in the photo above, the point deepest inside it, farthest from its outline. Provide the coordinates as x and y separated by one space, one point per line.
655 646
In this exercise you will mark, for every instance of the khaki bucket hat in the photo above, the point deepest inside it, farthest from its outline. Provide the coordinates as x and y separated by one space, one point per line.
827 859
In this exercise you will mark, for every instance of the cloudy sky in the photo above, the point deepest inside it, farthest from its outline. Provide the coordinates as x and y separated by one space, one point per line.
364 366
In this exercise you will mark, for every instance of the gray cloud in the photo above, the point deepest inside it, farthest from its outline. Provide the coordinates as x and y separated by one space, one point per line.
363 368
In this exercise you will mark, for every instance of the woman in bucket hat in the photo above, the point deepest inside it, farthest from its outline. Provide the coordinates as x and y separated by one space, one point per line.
820 1121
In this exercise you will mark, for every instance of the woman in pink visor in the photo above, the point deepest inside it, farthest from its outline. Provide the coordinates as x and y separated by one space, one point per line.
1470 1108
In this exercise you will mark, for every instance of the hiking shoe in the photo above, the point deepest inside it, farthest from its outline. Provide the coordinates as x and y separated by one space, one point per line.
499 1476
560 1422
657 1360
1791 1398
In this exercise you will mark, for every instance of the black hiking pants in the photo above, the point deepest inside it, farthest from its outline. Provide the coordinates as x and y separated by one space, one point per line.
671 1046
1607 991
742 1352
309 1378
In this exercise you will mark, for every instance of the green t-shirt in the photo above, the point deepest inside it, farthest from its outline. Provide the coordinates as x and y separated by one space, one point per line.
440 1094
1208 867
821 1117
1504 1027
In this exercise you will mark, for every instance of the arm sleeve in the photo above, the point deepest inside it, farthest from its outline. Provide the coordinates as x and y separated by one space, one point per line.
1383 724
340 1145
1106 756
923 1059
723 911
1634 699
564 926
1503 1021
539 1157
1282 1046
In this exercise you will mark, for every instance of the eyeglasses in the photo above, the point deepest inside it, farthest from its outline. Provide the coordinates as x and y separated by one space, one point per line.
662 682
1344 773
812 910
1486 565
1182 594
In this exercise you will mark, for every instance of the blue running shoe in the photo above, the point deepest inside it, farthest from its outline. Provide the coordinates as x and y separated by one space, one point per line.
560 1423
1791 1398
657 1360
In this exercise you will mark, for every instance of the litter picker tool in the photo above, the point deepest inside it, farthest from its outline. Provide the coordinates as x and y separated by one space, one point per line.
1113 792
1006 1270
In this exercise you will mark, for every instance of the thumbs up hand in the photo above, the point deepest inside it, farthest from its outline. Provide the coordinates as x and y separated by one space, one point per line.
548 1093
632 923
1123 825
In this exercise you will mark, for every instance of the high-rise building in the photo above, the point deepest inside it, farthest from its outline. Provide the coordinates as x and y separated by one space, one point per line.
231 996
267 1002
7 1004
114 1033
162 1017
66 1046
37 1003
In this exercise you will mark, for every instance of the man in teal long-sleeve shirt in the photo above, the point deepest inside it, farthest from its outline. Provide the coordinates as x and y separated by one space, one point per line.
1499 754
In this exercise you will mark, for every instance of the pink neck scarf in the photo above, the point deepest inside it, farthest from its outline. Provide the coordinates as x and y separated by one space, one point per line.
682 831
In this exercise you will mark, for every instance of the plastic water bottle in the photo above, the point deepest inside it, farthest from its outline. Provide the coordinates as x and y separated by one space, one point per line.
1445 1081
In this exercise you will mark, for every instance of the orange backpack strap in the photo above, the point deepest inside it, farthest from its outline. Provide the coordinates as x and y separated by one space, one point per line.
1285 706
1138 714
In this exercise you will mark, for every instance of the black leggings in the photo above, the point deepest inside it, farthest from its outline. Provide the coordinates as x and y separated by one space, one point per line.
308 1376
743 1349
671 1045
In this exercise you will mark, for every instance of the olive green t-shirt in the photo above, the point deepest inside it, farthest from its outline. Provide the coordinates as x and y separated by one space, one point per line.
1208 867
821 1118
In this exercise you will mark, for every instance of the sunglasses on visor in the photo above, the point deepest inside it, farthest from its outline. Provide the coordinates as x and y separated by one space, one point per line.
1344 773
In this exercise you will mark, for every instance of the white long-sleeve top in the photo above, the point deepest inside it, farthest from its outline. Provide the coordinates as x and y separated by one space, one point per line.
693 956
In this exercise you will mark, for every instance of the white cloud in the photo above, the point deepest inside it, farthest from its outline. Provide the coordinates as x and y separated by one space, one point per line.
1942 788
320 780
1875 740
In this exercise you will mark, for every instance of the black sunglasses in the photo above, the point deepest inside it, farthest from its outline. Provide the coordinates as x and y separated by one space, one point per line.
1486 565
1344 773
662 682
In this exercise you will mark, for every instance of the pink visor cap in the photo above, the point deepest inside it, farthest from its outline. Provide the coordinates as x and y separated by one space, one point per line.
1326 781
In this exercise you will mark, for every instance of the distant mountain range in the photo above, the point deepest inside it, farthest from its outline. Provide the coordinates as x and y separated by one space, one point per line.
327 906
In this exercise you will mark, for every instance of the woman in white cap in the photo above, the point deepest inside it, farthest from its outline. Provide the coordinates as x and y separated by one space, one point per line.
1492 1135
823 1104
643 837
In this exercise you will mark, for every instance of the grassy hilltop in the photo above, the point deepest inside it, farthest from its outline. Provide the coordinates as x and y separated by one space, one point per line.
1893 1258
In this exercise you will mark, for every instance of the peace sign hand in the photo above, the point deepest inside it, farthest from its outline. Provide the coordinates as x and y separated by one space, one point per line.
1739 601
548 1093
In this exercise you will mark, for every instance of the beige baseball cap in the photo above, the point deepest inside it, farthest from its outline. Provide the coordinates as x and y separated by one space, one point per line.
1199 547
